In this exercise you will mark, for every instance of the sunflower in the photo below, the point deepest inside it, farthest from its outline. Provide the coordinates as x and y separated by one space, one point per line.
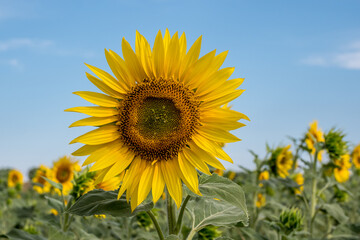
284 162
42 171
263 176
260 200
299 179
356 156
342 171
14 178
313 136
63 172
160 118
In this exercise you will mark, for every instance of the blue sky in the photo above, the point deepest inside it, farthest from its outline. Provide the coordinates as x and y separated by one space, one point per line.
300 60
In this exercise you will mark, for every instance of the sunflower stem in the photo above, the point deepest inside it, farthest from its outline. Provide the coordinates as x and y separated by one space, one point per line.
313 195
181 215
170 213
156 224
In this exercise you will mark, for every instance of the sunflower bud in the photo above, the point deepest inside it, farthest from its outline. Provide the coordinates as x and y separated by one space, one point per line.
335 144
144 220
83 184
209 233
291 220
341 196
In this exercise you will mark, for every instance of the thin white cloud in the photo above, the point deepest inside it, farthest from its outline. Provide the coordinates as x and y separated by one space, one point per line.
15 63
17 43
42 46
348 58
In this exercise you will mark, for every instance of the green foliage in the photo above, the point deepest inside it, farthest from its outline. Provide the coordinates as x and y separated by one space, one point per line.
99 201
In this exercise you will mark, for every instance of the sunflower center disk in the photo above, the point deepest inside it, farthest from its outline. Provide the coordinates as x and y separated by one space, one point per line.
157 119
63 175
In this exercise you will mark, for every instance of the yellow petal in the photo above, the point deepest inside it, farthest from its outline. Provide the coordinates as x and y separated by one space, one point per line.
222 100
87 149
132 61
117 64
116 69
98 98
172 180
104 150
107 79
94 121
103 87
189 173
166 40
145 183
217 135
214 81
158 183
195 160
130 175
143 52
226 125
95 111
158 55
208 158
101 135
123 161
191 56
200 69
172 57
225 113
113 155
134 200
100 175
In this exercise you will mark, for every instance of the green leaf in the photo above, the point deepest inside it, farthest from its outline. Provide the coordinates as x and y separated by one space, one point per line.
214 212
225 190
16 234
335 211
54 203
99 201
54 184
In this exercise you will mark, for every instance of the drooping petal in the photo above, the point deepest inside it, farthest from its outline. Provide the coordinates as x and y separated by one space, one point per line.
190 174
158 183
145 183
172 180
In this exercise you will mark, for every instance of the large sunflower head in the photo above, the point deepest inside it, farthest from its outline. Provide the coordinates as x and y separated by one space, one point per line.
160 117
44 186
14 178
63 172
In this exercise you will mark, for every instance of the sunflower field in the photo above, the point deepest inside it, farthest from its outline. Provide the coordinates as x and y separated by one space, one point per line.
153 167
